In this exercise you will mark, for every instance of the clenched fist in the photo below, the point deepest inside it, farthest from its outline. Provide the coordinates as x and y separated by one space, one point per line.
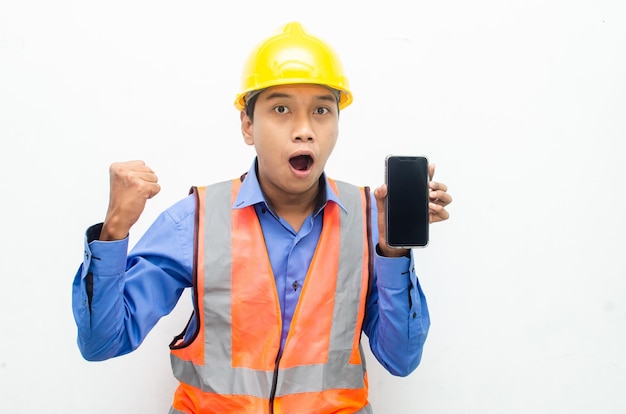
132 184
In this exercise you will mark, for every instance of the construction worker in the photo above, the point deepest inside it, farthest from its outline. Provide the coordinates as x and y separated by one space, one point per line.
287 266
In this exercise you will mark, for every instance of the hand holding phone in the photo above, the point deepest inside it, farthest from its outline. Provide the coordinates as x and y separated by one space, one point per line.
406 205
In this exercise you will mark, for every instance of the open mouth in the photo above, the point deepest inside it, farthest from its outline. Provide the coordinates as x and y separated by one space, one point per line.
301 162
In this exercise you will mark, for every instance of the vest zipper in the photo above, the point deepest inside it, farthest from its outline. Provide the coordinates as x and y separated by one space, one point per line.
275 382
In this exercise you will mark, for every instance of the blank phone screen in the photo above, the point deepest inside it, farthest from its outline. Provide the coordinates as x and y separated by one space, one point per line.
407 201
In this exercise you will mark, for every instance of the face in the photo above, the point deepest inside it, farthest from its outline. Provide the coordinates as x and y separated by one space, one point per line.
294 132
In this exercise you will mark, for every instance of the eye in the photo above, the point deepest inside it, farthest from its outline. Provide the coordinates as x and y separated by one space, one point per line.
321 110
280 109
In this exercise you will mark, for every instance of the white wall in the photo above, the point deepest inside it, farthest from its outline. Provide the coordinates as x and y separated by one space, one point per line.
522 106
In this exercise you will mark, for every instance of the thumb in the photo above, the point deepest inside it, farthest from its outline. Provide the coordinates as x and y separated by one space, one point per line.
380 194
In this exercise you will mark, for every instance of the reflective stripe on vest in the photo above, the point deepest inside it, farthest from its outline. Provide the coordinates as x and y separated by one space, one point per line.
230 365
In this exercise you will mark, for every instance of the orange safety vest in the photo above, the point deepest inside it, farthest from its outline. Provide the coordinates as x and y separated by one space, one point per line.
231 364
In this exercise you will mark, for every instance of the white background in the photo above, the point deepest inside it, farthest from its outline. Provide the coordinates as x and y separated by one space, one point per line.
521 105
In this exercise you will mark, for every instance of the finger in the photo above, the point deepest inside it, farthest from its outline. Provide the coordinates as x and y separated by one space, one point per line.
136 170
134 163
431 171
435 208
147 176
440 197
130 166
142 168
153 190
437 212
434 185
380 193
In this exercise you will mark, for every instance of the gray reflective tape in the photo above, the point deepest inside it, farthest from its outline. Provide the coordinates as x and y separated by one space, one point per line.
316 378
217 272
349 277
223 379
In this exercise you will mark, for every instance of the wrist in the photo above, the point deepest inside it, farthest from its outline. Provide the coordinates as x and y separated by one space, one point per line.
110 231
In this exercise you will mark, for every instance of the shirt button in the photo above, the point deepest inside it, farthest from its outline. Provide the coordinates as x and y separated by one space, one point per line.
414 315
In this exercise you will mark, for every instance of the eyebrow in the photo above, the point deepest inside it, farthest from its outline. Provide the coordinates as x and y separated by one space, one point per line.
324 97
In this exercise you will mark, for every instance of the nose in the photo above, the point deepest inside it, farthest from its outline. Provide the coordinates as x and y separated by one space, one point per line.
302 129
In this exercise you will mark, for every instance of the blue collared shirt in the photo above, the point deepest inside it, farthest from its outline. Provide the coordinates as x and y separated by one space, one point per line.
119 297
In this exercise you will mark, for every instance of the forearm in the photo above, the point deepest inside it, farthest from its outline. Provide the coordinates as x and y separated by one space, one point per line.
397 320
117 299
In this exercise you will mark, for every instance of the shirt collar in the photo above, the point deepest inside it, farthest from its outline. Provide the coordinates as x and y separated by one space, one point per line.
250 192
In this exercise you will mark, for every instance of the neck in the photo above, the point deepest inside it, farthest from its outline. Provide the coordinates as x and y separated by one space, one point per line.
293 208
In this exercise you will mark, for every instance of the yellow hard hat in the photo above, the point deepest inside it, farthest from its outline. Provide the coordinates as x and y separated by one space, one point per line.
293 57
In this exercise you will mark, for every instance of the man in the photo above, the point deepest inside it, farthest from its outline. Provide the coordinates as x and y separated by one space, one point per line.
287 266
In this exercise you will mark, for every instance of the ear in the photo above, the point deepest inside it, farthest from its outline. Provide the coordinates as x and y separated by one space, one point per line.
246 128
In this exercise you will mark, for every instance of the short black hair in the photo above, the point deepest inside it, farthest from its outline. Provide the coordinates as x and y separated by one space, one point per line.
250 104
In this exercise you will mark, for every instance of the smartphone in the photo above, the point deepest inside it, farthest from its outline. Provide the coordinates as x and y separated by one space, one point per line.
406 206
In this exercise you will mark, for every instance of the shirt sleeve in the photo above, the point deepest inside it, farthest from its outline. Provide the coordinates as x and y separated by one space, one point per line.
397 318
117 298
